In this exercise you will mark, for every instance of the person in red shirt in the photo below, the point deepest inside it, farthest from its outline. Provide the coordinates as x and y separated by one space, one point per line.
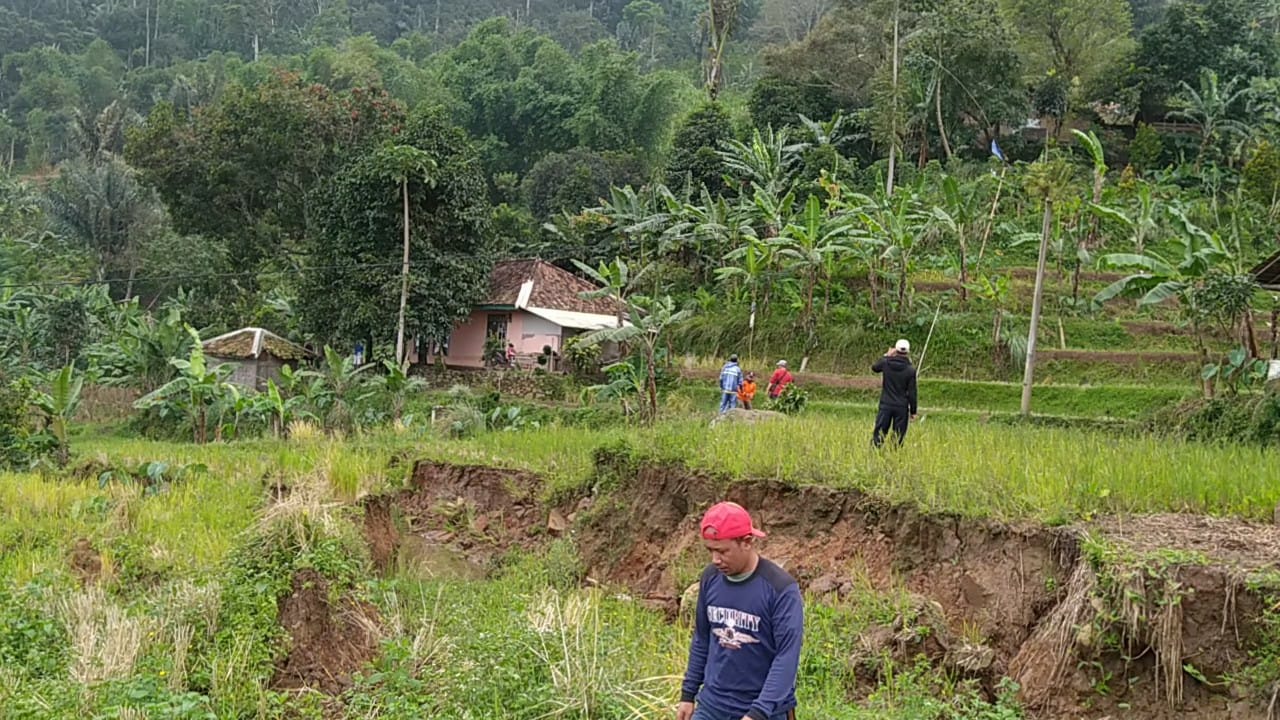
779 381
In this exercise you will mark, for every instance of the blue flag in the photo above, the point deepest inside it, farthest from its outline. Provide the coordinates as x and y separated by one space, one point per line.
995 150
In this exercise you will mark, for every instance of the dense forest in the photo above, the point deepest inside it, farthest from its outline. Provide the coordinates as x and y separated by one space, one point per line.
243 162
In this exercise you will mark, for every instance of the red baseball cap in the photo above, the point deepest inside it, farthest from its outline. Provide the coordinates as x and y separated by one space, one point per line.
728 521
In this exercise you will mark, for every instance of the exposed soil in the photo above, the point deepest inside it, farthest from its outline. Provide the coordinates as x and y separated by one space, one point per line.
86 563
480 511
328 641
996 599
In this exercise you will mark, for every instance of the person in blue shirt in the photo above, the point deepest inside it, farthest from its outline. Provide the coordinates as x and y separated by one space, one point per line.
730 384
745 652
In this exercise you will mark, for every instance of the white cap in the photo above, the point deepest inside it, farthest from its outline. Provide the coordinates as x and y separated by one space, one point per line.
902 346
782 363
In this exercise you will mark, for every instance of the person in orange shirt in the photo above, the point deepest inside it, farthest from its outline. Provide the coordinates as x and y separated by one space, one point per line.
748 390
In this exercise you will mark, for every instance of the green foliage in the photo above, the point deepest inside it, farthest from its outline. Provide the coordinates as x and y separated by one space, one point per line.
792 401
33 641
1261 175
154 476
19 445
694 159
583 358
1146 149
351 284
59 407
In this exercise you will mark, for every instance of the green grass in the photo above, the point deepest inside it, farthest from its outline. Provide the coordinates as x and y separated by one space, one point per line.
1111 401
526 641
956 465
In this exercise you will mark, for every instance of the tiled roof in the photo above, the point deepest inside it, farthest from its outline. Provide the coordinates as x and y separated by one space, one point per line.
553 288
248 343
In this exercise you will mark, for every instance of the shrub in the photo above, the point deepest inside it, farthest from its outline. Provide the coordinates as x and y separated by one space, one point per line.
20 445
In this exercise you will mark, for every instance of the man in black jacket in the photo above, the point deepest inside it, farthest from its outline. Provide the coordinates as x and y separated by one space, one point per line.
897 393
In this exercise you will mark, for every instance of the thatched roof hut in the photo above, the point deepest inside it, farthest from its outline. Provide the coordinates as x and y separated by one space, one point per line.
258 354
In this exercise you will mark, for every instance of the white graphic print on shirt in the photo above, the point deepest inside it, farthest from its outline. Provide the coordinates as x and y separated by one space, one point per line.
731 638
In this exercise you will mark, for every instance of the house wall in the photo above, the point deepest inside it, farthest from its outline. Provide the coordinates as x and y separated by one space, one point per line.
466 343
269 367
535 332
526 331
246 372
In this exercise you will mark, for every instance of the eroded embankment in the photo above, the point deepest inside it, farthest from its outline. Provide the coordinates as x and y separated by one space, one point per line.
1164 616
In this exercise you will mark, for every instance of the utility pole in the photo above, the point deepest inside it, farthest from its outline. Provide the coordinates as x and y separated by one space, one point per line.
1028 374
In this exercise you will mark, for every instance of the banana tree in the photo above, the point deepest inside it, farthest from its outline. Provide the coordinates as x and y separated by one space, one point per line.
58 406
651 318
806 245
398 384
1159 277
615 281
196 389
341 378
891 223
957 217
283 409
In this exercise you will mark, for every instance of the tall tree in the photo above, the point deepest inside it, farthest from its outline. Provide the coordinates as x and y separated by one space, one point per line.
350 290
1079 39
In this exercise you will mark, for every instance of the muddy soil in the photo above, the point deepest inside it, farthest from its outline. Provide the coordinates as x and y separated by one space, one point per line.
328 642
1028 591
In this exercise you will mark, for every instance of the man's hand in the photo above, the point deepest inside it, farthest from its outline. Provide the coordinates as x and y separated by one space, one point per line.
684 711
915 418
892 352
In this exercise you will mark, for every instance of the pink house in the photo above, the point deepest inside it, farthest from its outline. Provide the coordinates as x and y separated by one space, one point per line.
531 304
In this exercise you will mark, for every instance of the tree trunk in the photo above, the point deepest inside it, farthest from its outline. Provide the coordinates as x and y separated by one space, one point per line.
1250 336
404 278
1275 333
964 272
942 128
1028 374
146 56
893 133
653 383
995 339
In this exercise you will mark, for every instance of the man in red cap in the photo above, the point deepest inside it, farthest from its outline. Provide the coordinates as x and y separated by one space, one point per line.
745 652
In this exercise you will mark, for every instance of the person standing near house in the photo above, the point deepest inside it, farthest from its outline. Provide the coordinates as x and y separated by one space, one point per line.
779 381
897 392
745 653
730 384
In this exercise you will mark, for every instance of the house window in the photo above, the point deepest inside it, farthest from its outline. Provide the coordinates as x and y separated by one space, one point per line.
498 326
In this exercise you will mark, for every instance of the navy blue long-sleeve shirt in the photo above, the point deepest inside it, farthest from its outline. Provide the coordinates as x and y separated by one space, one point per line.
745 652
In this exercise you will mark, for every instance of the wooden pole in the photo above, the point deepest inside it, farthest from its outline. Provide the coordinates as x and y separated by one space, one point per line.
1028 374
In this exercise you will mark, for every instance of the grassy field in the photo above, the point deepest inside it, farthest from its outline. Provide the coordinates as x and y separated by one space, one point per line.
181 619
190 548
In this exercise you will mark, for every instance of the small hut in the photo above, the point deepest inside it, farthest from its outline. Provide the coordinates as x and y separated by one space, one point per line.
1267 272
258 355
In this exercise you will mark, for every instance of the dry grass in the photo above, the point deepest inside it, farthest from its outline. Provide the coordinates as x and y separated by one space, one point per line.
1053 644
105 640
583 665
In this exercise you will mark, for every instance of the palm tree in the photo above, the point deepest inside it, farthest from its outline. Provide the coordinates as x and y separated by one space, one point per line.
403 163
